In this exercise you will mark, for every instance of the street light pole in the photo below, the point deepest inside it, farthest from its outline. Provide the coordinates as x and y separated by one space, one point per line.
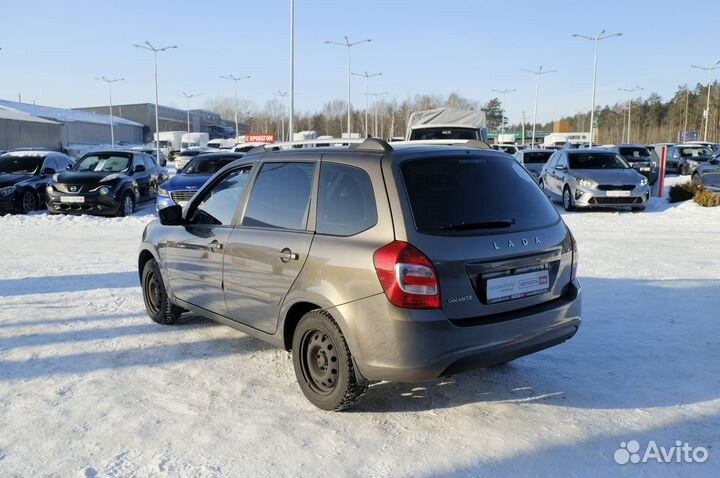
348 45
149 47
282 94
596 40
235 80
709 69
538 74
187 99
504 92
366 75
112 126
631 91
291 123
376 95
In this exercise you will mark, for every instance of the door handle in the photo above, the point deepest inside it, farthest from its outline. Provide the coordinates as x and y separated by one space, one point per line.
286 255
215 246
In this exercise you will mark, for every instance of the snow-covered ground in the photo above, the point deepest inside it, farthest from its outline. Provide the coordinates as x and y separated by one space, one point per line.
89 386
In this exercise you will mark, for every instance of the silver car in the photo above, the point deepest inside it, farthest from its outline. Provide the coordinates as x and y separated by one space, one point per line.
534 160
708 175
594 178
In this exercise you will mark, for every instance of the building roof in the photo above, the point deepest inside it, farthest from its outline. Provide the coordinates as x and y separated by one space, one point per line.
63 115
14 115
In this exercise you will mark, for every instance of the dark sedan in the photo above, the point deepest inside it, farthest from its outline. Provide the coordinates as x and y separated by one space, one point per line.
684 158
640 158
708 175
107 183
24 176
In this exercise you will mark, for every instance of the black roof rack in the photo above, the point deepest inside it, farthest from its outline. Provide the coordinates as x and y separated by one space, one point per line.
374 145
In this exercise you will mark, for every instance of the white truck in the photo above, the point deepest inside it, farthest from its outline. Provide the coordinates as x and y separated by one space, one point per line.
170 141
194 140
447 124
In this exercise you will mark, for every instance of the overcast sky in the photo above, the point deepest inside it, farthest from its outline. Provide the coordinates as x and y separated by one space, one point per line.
52 49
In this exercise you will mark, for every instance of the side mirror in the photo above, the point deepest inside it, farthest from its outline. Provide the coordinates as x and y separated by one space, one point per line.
171 215
139 168
49 171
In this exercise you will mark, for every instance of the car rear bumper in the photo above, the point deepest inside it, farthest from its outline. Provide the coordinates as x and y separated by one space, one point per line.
403 345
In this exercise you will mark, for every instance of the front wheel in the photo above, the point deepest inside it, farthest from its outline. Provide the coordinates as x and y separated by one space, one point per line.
157 302
567 199
323 363
127 205
28 202
696 179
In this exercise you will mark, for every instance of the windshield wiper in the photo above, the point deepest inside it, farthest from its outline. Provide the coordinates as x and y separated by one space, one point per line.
468 226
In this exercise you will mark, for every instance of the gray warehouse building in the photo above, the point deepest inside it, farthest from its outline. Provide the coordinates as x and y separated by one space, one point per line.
20 130
76 127
171 119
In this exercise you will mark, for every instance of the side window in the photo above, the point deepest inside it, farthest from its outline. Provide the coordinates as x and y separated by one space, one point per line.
280 198
562 161
149 162
51 163
217 206
346 201
553 159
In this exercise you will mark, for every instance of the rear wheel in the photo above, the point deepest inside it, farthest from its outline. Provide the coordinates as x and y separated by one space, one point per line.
567 199
127 205
28 202
157 303
696 179
323 363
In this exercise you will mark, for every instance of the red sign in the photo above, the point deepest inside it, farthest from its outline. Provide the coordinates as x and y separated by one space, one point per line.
260 138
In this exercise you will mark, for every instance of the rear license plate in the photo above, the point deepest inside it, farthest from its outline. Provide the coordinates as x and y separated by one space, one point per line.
618 194
646 170
72 199
501 289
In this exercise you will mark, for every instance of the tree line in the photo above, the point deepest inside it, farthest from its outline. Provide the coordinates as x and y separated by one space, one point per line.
652 120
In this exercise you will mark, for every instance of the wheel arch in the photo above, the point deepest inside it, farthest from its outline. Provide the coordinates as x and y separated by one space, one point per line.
292 318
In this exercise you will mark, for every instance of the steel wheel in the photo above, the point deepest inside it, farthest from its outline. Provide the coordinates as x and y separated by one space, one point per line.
567 199
28 202
152 292
319 361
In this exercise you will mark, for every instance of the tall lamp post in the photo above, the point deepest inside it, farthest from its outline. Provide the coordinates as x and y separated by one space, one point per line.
235 80
348 44
538 73
282 94
367 75
709 69
631 91
291 120
504 92
149 47
596 40
112 126
187 97
376 95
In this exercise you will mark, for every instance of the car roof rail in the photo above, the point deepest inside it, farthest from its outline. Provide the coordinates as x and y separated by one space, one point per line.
375 145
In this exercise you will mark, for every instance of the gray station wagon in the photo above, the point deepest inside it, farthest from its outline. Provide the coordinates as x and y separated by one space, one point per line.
370 263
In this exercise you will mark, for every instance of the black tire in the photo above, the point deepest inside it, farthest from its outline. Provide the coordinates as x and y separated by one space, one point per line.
28 202
157 302
696 179
323 363
567 199
127 205
681 170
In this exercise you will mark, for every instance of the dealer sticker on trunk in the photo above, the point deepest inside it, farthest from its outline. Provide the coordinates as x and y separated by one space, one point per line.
517 286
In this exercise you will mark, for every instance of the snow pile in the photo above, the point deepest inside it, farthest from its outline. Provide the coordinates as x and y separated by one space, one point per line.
89 386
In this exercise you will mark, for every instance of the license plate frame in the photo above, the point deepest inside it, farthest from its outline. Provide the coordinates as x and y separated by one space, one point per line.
72 199
509 287
618 194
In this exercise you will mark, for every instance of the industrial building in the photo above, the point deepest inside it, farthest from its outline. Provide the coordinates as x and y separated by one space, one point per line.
29 125
171 119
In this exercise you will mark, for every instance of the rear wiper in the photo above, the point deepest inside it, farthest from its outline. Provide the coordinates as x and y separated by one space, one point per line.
467 226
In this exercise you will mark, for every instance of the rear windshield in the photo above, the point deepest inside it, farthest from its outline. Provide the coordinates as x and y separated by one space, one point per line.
20 164
634 153
205 165
443 133
596 161
474 195
696 152
536 157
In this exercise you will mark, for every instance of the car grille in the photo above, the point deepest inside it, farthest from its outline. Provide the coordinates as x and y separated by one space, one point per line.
182 196
613 187
69 188
606 200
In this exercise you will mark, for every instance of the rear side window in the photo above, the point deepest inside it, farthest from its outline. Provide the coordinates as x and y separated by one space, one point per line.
346 201
474 195
280 198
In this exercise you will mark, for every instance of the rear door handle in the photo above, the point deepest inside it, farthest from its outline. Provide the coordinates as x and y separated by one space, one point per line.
215 246
286 255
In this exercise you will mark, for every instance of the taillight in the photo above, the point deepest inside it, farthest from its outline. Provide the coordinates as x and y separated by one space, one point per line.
407 276
573 269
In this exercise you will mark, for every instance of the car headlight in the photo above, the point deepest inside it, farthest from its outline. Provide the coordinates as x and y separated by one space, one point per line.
104 190
7 191
643 182
586 183
49 189
163 193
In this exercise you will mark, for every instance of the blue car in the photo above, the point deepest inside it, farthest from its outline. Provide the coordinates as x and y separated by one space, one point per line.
183 186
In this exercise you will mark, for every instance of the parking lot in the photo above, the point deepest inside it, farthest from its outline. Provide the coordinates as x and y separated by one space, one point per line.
89 386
